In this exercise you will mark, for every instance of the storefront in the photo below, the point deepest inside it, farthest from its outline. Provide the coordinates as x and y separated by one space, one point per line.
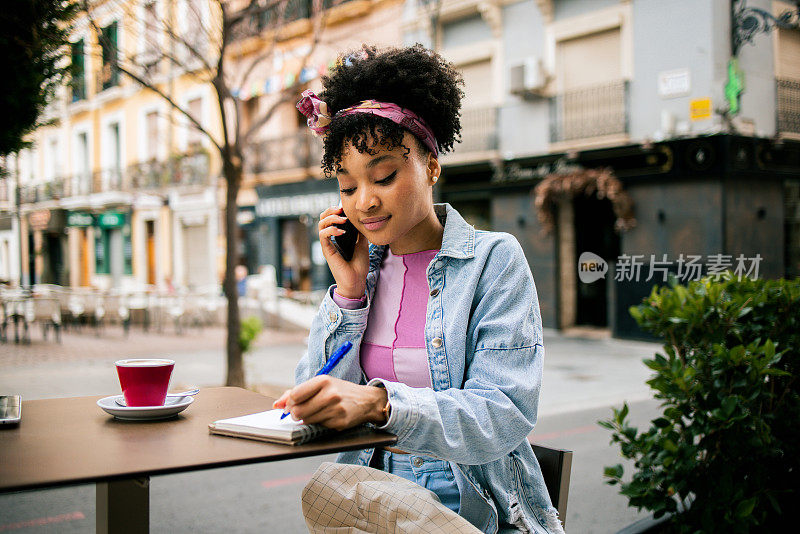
47 247
284 233
113 248
194 233
720 201
101 246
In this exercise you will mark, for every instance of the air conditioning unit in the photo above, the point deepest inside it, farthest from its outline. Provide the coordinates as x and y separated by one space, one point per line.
528 78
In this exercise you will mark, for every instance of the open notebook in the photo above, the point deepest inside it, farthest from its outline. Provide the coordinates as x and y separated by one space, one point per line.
268 426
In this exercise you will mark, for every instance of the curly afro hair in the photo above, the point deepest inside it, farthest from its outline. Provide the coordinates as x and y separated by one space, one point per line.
412 77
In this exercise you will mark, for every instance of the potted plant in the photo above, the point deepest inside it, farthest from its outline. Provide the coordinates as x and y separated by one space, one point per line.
724 456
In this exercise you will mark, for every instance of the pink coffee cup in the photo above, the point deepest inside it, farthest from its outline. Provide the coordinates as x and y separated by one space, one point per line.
144 382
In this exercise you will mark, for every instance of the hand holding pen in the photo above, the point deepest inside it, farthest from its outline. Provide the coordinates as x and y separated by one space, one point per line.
331 363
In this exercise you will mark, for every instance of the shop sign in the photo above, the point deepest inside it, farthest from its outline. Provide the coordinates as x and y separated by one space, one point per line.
39 219
674 83
311 204
111 219
80 219
515 172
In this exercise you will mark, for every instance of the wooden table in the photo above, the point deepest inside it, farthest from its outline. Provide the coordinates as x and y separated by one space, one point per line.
72 441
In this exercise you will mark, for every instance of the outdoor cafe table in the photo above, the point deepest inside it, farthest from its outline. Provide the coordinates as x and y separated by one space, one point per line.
72 441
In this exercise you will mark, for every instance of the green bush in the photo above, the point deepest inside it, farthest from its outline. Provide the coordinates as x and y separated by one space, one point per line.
725 454
251 327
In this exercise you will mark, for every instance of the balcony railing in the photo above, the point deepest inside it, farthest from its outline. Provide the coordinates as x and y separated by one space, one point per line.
78 185
593 111
42 192
788 105
290 152
190 169
478 130
106 180
269 17
179 171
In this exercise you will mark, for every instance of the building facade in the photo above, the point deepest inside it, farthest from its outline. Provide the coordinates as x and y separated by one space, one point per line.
558 90
118 190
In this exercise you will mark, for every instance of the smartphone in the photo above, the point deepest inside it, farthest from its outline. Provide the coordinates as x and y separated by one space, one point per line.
345 244
10 409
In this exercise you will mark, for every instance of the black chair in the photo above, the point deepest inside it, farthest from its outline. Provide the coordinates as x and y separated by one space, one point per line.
556 466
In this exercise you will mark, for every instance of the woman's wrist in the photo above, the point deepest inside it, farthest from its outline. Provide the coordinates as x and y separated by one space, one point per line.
377 413
352 294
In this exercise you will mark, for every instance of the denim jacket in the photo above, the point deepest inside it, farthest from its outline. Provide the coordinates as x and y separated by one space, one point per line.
483 332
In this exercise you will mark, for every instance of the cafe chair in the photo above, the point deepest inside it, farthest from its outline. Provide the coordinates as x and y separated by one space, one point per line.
556 465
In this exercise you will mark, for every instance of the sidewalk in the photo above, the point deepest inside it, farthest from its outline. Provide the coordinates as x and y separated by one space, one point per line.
578 373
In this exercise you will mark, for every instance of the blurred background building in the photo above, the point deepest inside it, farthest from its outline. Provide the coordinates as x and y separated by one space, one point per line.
117 190
699 126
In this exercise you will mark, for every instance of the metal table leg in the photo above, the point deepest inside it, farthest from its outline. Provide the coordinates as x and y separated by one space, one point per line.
123 506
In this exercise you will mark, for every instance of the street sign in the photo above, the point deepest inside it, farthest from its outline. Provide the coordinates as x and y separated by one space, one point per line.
674 83
39 219
80 219
111 219
700 109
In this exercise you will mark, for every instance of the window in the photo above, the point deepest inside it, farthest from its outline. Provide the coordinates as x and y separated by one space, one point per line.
590 60
787 74
194 138
151 136
477 84
109 76
78 81
479 116
592 99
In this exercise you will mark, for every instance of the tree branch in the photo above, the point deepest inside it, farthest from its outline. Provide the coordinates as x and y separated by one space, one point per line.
148 84
320 18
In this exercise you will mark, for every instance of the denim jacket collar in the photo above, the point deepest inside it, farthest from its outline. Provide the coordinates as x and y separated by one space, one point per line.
458 240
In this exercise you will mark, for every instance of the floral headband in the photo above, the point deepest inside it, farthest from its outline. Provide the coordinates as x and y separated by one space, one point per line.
319 118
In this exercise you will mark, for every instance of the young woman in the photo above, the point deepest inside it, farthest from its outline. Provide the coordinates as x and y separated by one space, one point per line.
444 319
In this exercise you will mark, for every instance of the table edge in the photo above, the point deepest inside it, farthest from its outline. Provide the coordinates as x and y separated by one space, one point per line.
294 452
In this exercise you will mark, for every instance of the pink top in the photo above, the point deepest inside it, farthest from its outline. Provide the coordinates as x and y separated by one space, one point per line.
393 347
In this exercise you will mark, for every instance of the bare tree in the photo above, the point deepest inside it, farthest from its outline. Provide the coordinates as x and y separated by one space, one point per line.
195 44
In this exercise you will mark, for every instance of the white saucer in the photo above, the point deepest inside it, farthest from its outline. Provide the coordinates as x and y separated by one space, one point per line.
172 406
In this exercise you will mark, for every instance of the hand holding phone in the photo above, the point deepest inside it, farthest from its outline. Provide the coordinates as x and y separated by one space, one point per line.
345 243
346 250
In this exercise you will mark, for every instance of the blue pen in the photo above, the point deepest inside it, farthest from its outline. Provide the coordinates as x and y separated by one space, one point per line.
328 367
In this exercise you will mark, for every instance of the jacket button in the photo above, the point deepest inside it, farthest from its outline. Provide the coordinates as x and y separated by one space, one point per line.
434 292
436 342
417 462
332 317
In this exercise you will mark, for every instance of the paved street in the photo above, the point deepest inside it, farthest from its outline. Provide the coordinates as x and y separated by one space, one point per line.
583 378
